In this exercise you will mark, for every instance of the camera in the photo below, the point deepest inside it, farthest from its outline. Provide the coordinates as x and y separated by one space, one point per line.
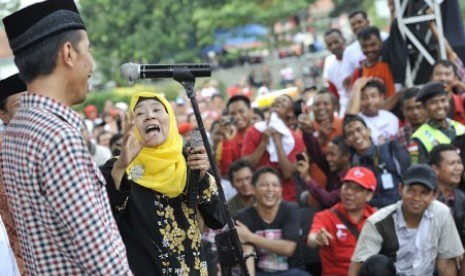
229 120
300 156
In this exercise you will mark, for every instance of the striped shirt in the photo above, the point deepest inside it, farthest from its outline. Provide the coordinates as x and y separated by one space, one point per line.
57 194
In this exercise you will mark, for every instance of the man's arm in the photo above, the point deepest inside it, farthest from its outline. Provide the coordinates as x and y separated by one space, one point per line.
248 249
81 207
354 268
353 107
446 267
252 150
286 166
281 247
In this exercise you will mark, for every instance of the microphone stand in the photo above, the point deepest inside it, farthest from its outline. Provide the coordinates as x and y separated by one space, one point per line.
185 77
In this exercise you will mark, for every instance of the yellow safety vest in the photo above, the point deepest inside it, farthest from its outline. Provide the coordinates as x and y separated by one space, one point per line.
430 136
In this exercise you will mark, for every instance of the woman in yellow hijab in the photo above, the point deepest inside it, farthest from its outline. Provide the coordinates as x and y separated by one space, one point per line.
147 190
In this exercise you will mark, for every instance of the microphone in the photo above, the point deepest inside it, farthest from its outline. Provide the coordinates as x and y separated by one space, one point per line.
133 71
193 176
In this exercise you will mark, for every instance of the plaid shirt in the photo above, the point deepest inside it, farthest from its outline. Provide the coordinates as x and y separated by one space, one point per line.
57 194
403 136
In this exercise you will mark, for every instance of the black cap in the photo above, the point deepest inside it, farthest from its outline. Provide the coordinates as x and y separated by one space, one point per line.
431 90
420 174
10 86
40 21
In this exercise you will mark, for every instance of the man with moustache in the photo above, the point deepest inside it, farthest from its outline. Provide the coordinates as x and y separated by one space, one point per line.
271 227
373 66
56 192
447 164
334 163
324 128
240 174
416 234
229 149
335 72
445 71
273 144
336 231
438 129
366 100
414 113
353 55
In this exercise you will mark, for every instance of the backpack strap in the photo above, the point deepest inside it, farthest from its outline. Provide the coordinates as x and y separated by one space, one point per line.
347 223
387 230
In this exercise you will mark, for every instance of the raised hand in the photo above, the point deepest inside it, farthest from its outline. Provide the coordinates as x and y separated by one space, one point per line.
130 147
305 124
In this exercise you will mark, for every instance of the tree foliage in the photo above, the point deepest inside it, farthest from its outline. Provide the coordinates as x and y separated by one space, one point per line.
7 7
168 31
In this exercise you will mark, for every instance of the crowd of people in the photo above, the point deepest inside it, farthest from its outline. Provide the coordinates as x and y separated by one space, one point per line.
358 175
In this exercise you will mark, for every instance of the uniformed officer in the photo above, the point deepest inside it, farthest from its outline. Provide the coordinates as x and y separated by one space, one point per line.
438 129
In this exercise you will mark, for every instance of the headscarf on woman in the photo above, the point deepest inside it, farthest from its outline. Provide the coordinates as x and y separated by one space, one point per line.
161 168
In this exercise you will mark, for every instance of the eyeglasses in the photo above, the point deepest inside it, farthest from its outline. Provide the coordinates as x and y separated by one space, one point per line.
353 187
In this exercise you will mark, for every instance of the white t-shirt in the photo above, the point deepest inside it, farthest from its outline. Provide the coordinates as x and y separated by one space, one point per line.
8 266
384 127
335 74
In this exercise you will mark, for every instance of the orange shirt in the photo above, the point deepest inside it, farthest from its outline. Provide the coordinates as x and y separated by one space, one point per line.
380 70
315 172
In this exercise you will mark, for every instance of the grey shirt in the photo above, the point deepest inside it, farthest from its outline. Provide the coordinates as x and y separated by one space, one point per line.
436 237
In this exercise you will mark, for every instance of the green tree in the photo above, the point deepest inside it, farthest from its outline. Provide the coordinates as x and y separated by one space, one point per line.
168 31
242 12
7 7
140 31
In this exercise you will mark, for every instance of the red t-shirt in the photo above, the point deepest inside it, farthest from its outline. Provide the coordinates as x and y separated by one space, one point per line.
335 258
252 139
229 151
459 113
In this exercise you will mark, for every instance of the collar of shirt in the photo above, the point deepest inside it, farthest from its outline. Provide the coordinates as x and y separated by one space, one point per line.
367 212
400 220
32 100
447 199
436 125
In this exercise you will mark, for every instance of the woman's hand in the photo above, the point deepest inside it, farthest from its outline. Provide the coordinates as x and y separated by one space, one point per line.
198 160
130 148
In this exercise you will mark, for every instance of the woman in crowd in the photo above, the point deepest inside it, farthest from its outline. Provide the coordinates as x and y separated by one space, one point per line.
147 186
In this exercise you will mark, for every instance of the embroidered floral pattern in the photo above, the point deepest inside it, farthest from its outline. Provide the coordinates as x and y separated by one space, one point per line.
175 239
136 172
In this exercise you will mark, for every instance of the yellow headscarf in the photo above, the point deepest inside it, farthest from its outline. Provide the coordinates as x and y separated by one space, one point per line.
162 168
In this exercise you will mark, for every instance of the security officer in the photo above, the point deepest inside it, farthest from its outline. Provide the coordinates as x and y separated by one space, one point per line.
438 129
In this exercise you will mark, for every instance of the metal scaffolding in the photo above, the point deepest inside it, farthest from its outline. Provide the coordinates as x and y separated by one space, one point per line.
404 19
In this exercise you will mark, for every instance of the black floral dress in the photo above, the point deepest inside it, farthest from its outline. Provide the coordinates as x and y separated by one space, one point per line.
161 234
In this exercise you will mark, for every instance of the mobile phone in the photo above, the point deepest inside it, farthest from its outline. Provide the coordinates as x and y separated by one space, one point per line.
300 156
229 120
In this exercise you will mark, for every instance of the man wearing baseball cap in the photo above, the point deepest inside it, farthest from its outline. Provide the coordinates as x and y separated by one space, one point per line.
336 230
417 234
438 129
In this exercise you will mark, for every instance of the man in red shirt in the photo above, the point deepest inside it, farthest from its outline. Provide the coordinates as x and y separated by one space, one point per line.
229 150
274 144
446 72
336 230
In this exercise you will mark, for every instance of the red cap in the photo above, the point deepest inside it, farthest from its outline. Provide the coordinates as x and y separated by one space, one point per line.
362 176
184 128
